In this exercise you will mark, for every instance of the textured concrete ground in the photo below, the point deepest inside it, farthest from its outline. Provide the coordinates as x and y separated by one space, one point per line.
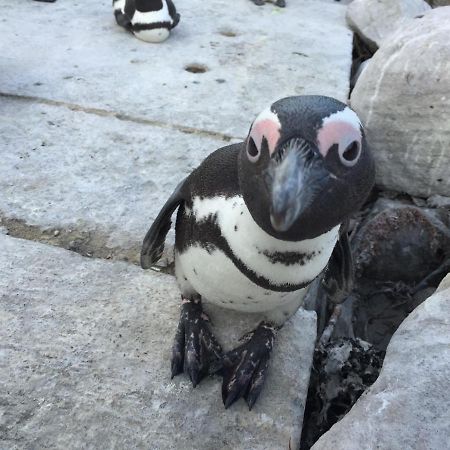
96 129
100 126
84 361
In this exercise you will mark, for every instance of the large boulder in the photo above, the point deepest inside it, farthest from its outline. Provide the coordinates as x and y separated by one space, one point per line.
402 97
408 407
374 20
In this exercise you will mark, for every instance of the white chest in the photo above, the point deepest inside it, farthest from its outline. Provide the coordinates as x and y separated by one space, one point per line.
258 275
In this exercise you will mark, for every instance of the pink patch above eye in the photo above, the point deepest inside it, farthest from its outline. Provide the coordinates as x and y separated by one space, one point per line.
336 132
267 128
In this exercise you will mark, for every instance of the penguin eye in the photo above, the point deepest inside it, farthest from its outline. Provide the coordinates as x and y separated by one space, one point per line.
252 151
350 154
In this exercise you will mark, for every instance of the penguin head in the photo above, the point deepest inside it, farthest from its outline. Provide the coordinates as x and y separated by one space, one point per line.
305 167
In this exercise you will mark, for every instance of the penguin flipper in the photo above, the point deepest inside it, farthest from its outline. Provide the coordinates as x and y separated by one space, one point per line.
173 14
122 19
153 244
339 275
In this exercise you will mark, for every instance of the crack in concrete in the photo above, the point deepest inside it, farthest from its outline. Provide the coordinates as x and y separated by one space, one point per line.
122 116
90 244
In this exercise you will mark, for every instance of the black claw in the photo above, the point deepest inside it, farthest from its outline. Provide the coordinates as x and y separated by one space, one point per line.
178 351
195 349
245 367
257 383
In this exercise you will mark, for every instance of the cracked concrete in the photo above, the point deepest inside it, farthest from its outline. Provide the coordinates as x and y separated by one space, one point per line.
84 362
84 153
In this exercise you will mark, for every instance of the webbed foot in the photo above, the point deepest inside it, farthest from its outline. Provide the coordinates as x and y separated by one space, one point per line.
195 348
244 368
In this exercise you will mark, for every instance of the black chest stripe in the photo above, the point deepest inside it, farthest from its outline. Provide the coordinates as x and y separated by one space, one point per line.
207 234
151 26
288 258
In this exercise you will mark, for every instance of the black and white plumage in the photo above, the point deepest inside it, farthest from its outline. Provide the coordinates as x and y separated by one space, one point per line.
257 222
149 20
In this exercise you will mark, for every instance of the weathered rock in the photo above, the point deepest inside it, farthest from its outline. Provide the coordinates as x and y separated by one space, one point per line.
84 362
216 73
408 407
375 20
402 98
103 178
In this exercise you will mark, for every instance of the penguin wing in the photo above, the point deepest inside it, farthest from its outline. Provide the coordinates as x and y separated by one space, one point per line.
339 275
173 14
153 244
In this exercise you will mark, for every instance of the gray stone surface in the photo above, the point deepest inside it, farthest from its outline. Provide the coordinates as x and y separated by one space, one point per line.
98 127
75 52
375 20
403 99
408 407
84 362
62 169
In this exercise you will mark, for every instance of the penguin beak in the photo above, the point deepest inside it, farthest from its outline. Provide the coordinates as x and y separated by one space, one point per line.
296 174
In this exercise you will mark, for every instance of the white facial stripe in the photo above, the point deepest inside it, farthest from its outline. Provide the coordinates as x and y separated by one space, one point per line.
266 125
342 128
249 242
346 115
152 16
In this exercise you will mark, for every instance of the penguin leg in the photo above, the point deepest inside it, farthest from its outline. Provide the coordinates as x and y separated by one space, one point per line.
195 348
244 368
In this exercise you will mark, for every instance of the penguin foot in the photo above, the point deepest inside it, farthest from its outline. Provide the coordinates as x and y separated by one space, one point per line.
280 3
258 2
195 349
244 368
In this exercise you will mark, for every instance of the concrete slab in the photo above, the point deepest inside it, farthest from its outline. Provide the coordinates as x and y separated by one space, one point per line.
84 362
97 182
73 51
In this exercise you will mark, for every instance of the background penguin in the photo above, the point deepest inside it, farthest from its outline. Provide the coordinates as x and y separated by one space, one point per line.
149 20
257 222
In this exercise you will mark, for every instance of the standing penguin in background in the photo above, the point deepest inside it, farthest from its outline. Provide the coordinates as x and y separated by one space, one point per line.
257 222
149 20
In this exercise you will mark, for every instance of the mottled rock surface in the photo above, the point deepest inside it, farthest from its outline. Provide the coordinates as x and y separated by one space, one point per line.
221 66
84 362
408 407
375 20
403 99
98 127
104 178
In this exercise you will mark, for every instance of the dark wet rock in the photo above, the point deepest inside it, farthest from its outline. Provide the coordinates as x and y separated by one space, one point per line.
342 371
404 243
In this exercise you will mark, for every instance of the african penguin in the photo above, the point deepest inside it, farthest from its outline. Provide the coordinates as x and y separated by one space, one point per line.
149 20
261 220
